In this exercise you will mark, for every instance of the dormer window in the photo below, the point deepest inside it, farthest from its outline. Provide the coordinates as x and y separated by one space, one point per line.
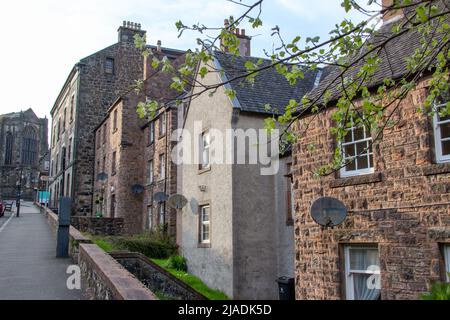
442 134
109 66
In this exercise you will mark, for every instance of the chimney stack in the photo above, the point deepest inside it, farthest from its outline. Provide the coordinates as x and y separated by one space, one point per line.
128 30
245 41
391 15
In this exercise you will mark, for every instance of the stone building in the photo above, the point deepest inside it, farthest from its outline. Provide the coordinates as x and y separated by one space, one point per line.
122 149
397 193
23 146
237 231
90 89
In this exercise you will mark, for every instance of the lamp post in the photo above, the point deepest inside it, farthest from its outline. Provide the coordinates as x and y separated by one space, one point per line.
19 190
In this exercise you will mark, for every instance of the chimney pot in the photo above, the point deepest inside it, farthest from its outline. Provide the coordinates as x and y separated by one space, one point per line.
226 23
391 15
237 32
158 46
243 32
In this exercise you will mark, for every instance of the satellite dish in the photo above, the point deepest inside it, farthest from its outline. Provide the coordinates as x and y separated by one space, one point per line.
102 176
177 201
328 212
160 197
194 205
137 189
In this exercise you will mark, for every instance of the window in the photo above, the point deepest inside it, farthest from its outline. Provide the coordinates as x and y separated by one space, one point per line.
362 273
59 130
150 172
98 167
442 135
357 152
447 261
162 215
9 148
69 154
109 66
150 217
104 164
115 120
113 163
162 167
112 214
151 133
205 151
105 127
162 125
205 225
29 146
64 120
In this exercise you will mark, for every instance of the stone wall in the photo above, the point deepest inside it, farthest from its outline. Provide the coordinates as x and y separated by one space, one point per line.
103 278
156 278
398 208
99 226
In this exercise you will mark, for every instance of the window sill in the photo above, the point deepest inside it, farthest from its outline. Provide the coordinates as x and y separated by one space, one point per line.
437 168
161 136
202 171
357 180
204 245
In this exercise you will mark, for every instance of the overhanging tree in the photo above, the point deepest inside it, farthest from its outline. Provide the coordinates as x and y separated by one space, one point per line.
365 82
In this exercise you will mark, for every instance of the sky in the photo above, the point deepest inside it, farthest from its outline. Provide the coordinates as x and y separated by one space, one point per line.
42 40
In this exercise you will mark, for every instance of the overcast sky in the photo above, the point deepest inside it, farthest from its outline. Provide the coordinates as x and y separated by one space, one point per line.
43 39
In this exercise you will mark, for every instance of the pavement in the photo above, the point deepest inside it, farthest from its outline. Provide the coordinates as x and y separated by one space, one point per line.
29 269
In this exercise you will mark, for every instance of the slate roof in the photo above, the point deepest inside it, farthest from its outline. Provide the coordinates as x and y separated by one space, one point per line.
269 88
393 65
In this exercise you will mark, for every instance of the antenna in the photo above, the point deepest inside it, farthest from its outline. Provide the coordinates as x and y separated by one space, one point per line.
177 201
328 212
137 189
160 197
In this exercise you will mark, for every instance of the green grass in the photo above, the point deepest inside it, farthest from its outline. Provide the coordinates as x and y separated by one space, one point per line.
105 245
108 246
192 281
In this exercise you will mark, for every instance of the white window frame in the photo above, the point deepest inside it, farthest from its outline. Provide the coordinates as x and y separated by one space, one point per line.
162 125
162 166
205 148
150 217
152 132
447 261
440 158
349 284
203 223
150 175
162 214
357 172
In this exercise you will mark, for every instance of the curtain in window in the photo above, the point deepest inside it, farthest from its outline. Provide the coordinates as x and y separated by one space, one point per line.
362 260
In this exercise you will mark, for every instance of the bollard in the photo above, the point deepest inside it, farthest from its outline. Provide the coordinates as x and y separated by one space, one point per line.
62 246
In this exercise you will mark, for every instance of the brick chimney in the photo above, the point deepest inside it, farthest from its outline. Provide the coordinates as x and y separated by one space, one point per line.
245 41
391 15
128 30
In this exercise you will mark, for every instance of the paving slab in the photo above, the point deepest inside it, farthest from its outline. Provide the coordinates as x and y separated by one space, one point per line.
29 269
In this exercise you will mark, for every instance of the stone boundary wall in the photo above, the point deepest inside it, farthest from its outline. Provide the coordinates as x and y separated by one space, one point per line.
156 278
99 226
75 236
106 279
103 278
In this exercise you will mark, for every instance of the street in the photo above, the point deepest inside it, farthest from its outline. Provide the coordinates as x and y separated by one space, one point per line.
28 267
